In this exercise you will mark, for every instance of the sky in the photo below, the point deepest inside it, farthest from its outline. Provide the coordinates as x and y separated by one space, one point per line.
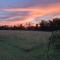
14 12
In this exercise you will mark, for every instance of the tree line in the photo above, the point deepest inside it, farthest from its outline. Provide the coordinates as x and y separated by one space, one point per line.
43 25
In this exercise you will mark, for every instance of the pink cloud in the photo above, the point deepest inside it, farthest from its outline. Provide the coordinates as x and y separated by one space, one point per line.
33 13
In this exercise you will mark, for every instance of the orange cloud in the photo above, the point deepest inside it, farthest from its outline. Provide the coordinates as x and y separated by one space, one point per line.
33 12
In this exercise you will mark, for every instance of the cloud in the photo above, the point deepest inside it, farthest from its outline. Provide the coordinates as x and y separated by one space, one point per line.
36 11
7 16
23 15
27 3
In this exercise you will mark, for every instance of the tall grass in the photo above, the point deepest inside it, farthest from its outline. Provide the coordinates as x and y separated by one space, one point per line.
53 52
29 45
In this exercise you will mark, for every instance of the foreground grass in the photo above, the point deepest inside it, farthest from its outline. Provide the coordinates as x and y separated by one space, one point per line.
24 45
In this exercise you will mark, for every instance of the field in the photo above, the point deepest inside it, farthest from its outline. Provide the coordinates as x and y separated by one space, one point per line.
24 45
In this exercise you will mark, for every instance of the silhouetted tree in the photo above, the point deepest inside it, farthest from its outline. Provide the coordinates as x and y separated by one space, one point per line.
43 25
21 27
37 27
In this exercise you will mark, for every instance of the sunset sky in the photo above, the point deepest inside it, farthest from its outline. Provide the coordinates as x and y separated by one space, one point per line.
13 12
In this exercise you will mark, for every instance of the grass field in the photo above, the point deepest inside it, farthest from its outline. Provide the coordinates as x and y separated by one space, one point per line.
24 45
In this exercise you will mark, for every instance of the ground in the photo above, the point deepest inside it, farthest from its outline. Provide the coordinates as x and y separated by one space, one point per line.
24 45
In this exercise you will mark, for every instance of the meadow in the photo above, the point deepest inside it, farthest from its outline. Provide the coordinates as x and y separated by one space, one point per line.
25 45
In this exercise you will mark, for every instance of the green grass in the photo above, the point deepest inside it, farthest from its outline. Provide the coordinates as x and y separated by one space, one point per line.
24 45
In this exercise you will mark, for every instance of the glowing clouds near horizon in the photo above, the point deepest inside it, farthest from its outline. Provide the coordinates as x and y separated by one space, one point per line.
33 12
